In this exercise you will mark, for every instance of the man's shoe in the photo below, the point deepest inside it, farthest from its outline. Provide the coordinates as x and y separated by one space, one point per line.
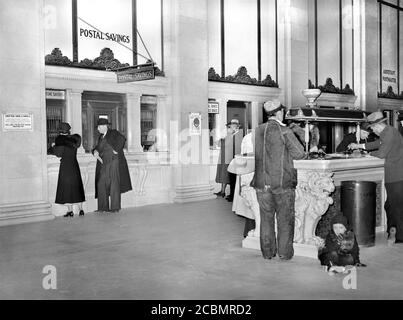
100 211
218 193
114 211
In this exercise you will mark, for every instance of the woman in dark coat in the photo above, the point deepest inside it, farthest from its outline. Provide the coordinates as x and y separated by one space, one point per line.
70 188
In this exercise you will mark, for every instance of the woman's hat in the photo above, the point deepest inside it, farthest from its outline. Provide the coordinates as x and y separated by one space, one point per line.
102 122
339 218
376 117
64 127
241 165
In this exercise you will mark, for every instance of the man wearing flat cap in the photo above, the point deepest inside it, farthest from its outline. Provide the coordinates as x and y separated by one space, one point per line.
112 177
275 179
390 149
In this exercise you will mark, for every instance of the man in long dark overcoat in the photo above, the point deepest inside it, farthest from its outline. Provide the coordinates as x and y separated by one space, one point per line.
112 177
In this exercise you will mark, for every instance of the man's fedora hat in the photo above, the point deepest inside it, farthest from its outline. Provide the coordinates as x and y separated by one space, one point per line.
233 121
64 127
102 122
272 106
365 126
376 117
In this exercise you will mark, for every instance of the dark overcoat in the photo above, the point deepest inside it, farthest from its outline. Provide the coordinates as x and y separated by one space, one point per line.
117 141
69 185
229 147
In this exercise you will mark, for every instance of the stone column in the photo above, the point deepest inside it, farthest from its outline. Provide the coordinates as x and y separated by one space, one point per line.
222 116
133 122
162 123
256 108
74 112
23 160
187 66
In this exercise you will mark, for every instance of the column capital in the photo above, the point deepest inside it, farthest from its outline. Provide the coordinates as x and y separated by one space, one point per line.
133 95
74 91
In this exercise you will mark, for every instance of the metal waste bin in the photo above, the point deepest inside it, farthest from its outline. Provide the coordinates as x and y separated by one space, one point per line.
358 204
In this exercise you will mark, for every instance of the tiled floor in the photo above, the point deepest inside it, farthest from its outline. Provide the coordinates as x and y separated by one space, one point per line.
189 251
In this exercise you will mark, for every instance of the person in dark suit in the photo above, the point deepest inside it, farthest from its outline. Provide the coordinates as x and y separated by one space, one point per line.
70 188
366 135
232 148
112 177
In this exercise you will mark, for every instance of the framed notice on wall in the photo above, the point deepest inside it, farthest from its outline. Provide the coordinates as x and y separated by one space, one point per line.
195 123
18 121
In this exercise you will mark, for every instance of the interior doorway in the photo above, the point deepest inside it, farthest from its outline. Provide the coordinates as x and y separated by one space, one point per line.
97 105
238 110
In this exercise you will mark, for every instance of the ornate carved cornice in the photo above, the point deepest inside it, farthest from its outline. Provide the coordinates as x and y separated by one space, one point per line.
105 61
389 94
242 77
329 87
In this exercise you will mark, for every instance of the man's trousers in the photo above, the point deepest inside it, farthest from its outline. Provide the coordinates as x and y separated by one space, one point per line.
109 185
279 206
394 208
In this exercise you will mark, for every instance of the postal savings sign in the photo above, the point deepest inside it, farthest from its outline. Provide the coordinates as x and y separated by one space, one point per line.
90 33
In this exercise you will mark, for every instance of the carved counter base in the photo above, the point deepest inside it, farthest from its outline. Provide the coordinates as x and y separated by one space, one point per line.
317 180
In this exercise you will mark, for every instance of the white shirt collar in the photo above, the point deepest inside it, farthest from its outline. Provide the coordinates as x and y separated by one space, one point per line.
279 122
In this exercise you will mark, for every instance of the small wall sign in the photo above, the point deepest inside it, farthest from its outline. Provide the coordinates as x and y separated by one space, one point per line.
55 94
195 123
18 121
213 107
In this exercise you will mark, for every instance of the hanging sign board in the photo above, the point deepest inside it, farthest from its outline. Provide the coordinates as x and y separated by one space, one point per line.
18 122
213 107
55 94
135 73
195 124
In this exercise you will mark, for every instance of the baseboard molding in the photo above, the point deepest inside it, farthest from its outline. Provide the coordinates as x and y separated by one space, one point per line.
184 194
25 213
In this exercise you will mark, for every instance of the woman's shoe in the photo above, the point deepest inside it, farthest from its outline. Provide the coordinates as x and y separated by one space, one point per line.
69 214
81 214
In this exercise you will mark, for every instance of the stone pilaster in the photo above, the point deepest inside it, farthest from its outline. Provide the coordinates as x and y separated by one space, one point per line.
74 112
222 116
256 110
187 67
133 103
23 160
162 123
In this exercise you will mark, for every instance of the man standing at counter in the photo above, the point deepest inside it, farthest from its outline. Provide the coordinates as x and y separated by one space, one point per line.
112 177
390 149
275 180
366 135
